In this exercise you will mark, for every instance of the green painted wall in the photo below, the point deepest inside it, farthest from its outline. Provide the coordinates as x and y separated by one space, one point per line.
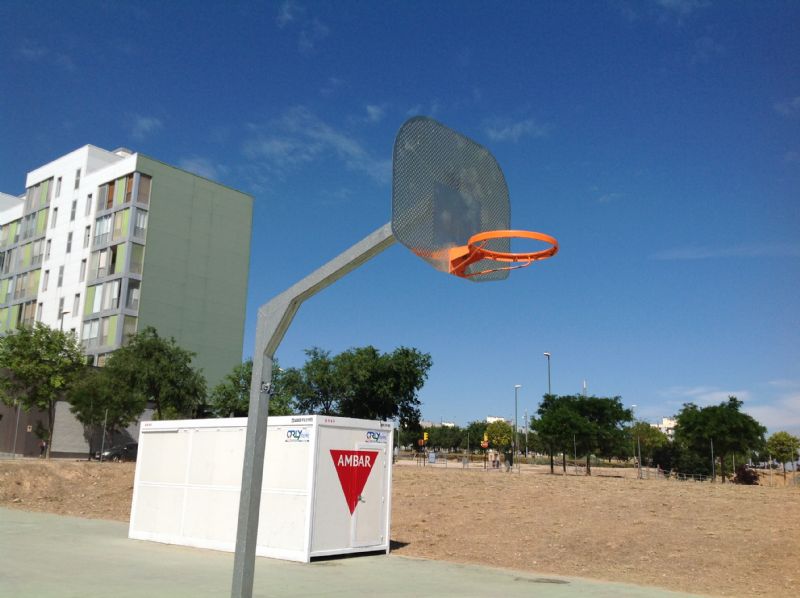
196 260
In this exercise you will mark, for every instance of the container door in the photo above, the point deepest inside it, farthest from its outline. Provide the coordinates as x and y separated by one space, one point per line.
369 517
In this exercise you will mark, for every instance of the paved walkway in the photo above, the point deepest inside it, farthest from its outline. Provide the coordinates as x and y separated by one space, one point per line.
44 556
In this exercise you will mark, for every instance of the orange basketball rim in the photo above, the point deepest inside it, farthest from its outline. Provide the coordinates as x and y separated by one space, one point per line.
476 250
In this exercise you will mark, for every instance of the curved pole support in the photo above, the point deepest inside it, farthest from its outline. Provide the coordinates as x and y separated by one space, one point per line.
274 318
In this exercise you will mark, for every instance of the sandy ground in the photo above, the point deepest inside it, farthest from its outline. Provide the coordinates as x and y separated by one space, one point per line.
705 538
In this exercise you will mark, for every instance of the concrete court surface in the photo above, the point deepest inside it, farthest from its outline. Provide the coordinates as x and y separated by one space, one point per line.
44 556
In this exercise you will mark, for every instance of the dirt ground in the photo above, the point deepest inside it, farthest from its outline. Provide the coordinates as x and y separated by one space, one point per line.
704 538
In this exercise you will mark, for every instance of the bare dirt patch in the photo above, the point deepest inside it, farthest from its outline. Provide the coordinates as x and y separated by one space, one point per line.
705 538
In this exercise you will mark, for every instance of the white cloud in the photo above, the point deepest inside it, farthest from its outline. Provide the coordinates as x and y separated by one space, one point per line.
735 251
781 414
32 51
790 107
706 49
287 12
331 86
682 8
202 167
313 33
703 395
144 126
300 137
505 130
375 113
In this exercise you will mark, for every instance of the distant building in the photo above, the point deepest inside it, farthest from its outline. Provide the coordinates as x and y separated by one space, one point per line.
105 243
667 426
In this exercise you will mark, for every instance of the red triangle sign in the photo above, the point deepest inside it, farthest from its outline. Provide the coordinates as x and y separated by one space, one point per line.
353 468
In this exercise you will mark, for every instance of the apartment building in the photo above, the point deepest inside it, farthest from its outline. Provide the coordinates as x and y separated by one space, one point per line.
105 243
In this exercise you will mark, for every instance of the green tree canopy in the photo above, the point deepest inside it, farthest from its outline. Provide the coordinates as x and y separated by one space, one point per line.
38 365
577 423
500 434
95 400
783 447
642 435
231 397
157 369
725 425
361 382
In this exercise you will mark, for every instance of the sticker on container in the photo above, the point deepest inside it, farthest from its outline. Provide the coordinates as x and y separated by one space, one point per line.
297 435
375 436
353 469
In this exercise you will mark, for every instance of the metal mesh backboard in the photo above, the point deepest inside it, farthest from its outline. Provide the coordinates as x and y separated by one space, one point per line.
446 188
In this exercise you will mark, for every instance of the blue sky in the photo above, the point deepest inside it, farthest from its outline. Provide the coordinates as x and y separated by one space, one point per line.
659 141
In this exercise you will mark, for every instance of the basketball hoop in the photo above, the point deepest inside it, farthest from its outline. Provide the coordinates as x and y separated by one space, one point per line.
476 250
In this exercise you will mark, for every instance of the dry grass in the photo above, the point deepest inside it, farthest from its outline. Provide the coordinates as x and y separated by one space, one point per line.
703 538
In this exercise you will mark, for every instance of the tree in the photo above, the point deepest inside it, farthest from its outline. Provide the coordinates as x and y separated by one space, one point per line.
725 425
316 388
37 366
586 425
783 447
158 370
642 436
361 383
474 434
231 397
96 400
499 434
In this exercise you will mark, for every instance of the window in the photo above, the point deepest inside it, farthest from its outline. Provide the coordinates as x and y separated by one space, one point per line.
38 246
102 229
9 261
104 262
86 236
120 224
39 307
128 328
102 360
73 210
83 271
128 188
55 217
45 279
58 186
69 242
60 276
47 250
27 313
140 226
90 331
28 226
132 297
76 303
60 307
111 294
137 258
77 178
88 205
143 195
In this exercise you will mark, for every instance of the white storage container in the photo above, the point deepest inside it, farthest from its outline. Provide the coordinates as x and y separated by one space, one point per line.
326 488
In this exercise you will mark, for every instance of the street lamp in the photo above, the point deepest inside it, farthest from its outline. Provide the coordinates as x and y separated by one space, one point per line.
63 313
549 391
514 442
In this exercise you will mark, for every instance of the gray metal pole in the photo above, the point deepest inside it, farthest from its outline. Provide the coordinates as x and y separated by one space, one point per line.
274 318
713 463
549 391
639 445
527 425
16 429
103 439
575 453
516 426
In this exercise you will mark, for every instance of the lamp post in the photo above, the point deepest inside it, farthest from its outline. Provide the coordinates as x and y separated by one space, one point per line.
516 429
549 391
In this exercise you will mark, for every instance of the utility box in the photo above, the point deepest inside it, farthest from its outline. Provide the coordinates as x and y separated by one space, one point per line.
326 488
